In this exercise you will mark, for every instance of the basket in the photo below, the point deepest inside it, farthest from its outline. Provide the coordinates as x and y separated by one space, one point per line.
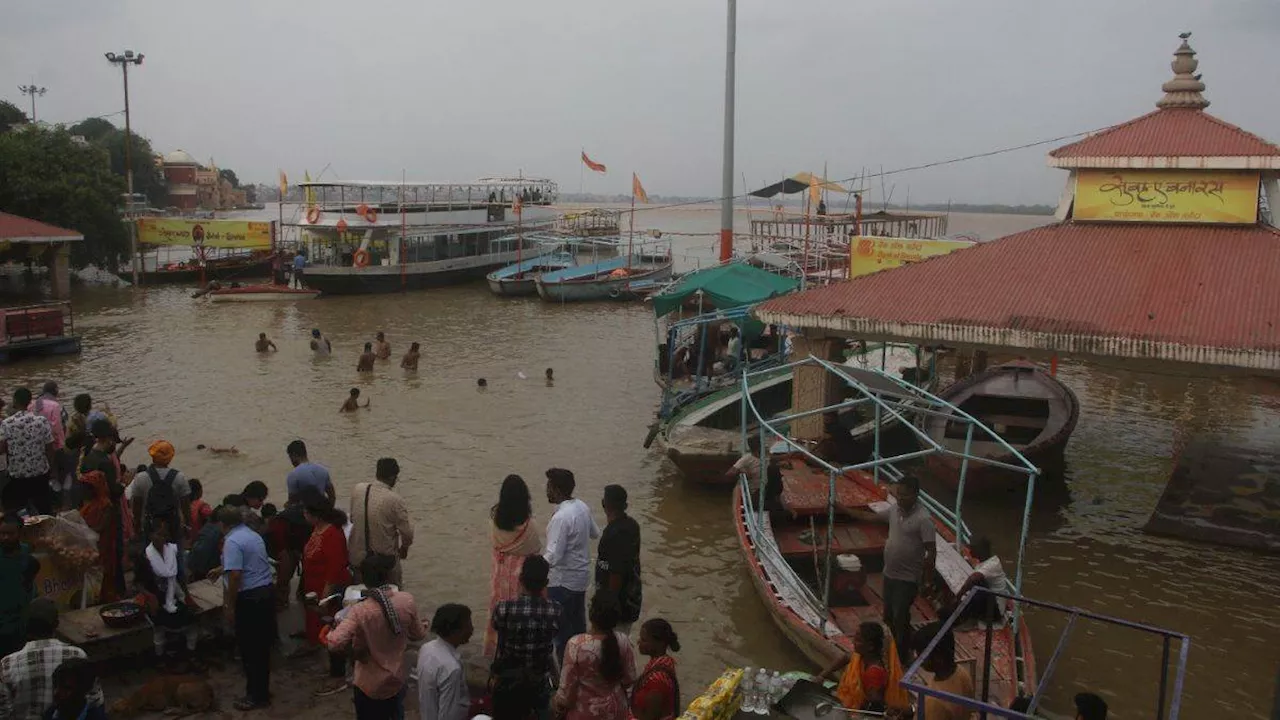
120 614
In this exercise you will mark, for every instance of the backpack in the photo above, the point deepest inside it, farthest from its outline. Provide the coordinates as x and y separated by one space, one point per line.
162 499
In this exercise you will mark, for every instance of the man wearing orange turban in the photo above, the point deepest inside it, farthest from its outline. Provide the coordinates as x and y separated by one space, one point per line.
172 505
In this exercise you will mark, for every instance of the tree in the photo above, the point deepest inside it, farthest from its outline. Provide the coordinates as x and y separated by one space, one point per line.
47 175
11 115
148 179
230 176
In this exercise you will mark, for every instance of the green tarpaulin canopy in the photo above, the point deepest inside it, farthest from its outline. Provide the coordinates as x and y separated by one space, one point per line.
725 287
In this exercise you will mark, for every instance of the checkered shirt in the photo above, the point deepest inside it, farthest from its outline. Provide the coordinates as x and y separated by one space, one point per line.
527 627
28 676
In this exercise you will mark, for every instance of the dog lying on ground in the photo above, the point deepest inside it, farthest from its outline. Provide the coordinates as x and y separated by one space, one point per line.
171 694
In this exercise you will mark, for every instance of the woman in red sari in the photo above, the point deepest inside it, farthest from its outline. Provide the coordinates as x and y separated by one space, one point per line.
325 571
514 538
101 515
656 695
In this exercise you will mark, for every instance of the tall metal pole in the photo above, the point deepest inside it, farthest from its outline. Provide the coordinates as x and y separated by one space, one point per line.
33 91
124 60
726 185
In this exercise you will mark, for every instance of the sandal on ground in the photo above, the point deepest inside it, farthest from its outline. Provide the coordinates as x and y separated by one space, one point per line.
332 688
245 704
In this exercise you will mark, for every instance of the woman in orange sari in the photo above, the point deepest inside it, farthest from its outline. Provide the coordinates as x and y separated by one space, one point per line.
514 537
103 517
872 672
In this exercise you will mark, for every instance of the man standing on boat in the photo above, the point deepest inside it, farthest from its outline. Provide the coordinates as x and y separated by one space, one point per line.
569 535
299 267
909 557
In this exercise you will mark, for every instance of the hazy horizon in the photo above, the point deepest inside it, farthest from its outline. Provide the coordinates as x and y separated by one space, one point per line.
452 92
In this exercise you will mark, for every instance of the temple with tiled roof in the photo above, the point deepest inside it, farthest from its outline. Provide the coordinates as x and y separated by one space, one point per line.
1165 249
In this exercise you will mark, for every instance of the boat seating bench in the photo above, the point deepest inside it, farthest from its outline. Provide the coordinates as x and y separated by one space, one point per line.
804 492
857 538
848 618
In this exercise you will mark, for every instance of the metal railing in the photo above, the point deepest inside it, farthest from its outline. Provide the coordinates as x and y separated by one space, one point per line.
33 322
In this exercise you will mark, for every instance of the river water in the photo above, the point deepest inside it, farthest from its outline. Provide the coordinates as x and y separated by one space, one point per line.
186 370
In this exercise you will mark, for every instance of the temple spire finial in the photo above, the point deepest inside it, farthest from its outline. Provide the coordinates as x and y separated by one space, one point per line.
1184 90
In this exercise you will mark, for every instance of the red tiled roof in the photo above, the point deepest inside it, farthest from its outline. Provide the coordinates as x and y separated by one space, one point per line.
15 228
1170 132
1189 293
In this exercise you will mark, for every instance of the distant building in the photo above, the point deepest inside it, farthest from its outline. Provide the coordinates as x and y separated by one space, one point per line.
193 186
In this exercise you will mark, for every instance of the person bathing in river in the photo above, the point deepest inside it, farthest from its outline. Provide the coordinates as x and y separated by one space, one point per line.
381 348
353 402
219 450
365 363
410 359
320 344
264 345
551 377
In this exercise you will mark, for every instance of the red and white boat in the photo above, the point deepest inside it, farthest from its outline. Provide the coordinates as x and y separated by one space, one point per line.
261 293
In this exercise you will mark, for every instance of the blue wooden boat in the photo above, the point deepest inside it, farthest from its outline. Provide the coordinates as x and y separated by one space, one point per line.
611 279
516 280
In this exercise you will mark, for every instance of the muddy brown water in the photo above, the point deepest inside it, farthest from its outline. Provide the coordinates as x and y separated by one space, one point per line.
184 370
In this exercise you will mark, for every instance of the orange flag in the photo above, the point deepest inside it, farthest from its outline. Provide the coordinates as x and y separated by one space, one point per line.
638 190
592 163
815 191
284 185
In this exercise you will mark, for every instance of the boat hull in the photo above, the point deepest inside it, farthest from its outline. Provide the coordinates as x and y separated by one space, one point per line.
262 293
513 287
600 289
706 458
376 279
1062 414
238 271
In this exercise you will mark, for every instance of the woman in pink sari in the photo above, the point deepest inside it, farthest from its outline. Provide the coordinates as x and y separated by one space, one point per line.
514 537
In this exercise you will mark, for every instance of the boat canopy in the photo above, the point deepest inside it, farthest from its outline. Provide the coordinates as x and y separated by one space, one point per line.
726 286
799 183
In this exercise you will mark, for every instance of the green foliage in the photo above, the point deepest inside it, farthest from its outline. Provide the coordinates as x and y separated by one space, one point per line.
147 178
11 115
230 176
47 175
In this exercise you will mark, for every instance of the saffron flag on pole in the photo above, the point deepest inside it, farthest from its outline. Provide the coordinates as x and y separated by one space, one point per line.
284 185
310 194
637 190
815 191
592 163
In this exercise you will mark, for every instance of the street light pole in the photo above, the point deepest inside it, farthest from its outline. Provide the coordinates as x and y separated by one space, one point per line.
726 185
33 91
124 60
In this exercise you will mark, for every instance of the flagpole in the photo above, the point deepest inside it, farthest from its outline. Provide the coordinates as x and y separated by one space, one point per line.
582 174
726 185
277 247
631 234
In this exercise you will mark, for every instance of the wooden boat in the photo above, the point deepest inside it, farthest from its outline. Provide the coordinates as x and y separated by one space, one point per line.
1027 407
234 267
782 557
518 279
704 438
607 280
262 293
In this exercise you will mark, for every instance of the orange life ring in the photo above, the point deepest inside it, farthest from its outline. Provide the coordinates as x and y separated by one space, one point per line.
370 214
361 258
313 215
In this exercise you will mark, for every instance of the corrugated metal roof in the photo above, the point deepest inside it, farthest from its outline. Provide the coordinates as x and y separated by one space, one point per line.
1188 293
1171 132
15 228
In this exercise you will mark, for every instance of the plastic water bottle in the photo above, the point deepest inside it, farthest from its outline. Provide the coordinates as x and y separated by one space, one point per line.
747 690
761 704
775 691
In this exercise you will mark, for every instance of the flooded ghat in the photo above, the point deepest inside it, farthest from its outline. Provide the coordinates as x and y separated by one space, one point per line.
185 370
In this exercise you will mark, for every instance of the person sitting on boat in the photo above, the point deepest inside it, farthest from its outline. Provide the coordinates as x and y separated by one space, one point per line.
837 446
410 359
733 350
947 676
871 672
365 363
748 464
264 345
353 402
381 348
320 344
988 573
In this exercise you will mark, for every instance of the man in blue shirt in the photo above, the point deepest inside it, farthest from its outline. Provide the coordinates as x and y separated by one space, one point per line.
299 265
249 604
306 473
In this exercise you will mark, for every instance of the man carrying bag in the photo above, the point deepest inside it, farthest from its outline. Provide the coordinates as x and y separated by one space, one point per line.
380 521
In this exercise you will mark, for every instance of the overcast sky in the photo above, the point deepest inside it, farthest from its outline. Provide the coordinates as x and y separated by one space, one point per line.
450 91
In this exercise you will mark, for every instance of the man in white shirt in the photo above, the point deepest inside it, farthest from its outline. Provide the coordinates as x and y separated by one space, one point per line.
569 535
442 681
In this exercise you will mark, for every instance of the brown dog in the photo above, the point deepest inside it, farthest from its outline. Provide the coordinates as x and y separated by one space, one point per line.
176 694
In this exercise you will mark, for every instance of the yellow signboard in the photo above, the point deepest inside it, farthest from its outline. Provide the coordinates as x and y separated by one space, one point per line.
872 254
1180 196
237 234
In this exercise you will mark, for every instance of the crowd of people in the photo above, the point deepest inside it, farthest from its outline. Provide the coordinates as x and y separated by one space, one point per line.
550 649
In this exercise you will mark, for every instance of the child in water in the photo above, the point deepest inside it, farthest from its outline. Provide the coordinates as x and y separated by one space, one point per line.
353 402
